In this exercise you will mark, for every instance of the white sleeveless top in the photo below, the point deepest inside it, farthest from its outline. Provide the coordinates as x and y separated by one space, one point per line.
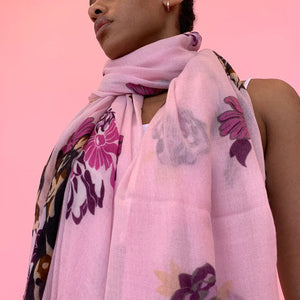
246 83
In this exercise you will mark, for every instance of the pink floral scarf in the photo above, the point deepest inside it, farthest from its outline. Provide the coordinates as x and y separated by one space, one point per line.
180 212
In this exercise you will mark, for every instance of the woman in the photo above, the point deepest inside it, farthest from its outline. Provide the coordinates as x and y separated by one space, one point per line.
179 211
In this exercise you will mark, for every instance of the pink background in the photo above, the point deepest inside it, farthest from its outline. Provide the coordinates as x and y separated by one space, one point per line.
50 62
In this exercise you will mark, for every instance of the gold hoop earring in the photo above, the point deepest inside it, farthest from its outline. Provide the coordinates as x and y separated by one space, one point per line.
168 5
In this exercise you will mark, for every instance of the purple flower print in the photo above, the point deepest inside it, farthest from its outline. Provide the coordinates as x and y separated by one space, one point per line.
234 125
101 146
196 38
144 90
120 144
101 150
106 119
233 121
40 240
84 129
197 286
92 199
240 149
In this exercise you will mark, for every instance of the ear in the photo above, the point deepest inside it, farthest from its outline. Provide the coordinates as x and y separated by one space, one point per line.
172 2
175 2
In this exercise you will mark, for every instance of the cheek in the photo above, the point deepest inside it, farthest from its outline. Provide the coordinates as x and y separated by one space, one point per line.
118 42
131 30
136 13
139 26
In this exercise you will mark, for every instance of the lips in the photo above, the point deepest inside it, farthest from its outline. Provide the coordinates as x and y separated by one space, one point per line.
99 23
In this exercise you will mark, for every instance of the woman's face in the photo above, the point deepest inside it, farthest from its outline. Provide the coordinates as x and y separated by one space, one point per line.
135 23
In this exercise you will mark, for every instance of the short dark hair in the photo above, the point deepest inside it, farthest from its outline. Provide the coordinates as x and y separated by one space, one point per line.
186 16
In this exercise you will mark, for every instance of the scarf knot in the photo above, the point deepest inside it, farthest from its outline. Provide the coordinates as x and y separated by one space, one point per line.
148 70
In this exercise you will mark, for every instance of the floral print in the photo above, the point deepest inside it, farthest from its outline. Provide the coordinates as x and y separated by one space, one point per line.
104 145
229 71
169 280
92 199
144 90
84 129
198 285
101 145
196 38
233 121
180 146
102 150
234 125
92 145
46 236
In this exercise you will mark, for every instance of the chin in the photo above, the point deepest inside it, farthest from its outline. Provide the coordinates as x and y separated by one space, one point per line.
114 52
120 45
109 48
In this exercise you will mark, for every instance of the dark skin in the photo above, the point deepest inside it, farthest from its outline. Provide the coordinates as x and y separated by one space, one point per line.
277 110
276 107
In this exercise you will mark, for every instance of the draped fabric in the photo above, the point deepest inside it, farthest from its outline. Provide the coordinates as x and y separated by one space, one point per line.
180 212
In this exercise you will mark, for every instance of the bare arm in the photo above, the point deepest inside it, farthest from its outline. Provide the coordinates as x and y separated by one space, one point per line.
278 105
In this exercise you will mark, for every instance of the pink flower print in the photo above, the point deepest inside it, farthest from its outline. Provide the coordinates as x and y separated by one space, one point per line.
84 129
234 124
101 146
233 121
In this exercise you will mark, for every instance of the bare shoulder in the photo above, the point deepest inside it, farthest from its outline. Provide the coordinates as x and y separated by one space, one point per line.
273 101
273 96
277 106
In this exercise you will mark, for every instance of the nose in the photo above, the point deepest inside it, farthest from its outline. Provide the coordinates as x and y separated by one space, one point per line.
95 10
